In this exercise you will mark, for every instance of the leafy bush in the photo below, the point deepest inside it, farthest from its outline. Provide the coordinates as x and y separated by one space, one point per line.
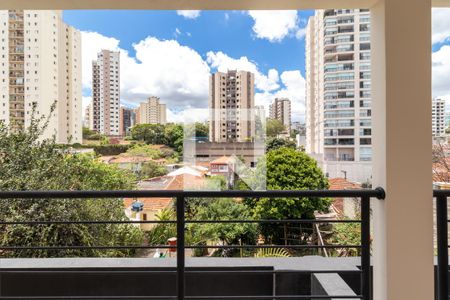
30 163
107 150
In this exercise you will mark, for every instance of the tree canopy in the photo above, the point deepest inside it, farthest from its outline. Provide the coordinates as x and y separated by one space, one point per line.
276 143
288 169
28 162
274 127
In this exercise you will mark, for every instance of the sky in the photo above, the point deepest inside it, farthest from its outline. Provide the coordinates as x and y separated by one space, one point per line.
170 54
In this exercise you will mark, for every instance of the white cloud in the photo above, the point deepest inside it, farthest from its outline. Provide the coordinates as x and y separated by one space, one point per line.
189 14
177 32
179 76
188 115
164 68
441 71
441 25
301 33
93 43
222 62
294 89
275 25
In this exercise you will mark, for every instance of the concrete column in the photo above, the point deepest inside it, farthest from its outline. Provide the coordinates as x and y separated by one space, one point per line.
401 93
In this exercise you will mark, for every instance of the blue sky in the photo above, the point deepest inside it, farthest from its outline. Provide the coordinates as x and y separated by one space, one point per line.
221 40
170 54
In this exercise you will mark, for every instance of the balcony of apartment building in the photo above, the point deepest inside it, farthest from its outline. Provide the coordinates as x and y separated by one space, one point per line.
397 258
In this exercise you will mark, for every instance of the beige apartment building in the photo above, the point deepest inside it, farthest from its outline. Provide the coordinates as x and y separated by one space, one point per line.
151 112
280 110
232 106
40 65
106 93
338 92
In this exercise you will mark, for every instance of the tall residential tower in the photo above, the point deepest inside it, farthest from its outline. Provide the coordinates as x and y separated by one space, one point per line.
280 110
438 117
151 112
338 92
232 106
40 68
106 93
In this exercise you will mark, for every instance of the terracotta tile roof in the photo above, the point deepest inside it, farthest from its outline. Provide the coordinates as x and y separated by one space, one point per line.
342 184
129 159
222 160
179 182
441 171
150 204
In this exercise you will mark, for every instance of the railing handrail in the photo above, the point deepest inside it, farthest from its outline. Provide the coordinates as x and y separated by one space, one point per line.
180 195
378 193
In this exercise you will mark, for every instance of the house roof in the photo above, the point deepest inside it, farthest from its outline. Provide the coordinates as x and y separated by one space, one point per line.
186 171
342 184
223 160
129 159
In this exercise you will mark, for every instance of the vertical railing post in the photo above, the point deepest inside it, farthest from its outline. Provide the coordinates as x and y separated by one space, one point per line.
442 247
180 247
365 248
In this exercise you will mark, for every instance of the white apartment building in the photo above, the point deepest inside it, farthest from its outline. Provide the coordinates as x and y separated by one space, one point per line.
338 92
438 117
232 106
88 120
106 93
151 112
40 66
280 110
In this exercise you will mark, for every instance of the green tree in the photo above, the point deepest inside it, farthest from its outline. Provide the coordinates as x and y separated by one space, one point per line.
174 136
288 169
227 233
27 162
201 130
276 143
152 169
346 234
144 151
149 133
274 127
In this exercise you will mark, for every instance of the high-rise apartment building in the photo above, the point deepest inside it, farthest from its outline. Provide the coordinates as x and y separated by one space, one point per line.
151 112
106 93
438 117
127 120
280 110
232 106
88 120
338 91
40 68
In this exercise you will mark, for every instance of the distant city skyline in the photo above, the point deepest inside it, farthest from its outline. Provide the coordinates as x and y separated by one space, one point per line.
171 54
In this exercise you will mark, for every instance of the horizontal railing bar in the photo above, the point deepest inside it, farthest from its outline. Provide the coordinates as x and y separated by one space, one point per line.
11 248
272 246
374 193
311 297
56 270
82 222
14 248
173 222
275 271
274 221
187 297
86 297
442 193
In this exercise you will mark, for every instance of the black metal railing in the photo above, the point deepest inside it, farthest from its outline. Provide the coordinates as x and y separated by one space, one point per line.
442 243
181 270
